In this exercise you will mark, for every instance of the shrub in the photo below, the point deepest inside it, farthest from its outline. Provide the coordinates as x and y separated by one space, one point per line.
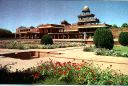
123 38
103 38
14 45
35 46
46 39
18 77
88 49
99 51
11 45
107 52
48 46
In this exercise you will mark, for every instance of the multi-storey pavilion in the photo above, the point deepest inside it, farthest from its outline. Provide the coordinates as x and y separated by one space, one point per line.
86 18
87 22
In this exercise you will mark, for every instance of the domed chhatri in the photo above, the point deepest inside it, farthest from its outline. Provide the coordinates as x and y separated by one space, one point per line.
86 17
86 9
87 22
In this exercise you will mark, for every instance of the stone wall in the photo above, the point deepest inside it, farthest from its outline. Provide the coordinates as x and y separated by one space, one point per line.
117 31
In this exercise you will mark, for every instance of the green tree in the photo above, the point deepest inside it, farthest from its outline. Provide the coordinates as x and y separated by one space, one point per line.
22 27
124 25
31 27
123 38
114 26
103 38
65 22
97 20
5 33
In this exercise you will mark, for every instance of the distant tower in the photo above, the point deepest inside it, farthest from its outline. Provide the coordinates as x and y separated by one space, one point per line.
86 17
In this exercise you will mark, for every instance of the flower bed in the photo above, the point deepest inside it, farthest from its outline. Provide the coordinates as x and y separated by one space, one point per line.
63 73
78 73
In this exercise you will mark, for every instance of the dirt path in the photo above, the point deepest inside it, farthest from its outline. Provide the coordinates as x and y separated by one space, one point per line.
71 54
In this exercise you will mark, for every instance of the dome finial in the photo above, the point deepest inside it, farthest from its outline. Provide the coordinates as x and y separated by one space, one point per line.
86 9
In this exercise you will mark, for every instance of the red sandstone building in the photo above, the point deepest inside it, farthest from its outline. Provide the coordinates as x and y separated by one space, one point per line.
86 23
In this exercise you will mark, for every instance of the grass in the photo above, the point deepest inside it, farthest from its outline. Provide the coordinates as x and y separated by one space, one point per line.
121 48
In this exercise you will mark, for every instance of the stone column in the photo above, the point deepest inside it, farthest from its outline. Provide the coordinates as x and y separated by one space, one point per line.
15 35
68 36
84 35
63 36
20 36
58 36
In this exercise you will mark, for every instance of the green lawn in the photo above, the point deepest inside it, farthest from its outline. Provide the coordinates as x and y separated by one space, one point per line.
121 48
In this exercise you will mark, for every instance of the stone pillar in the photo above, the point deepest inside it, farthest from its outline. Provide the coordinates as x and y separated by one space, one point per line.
63 36
58 36
68 36
84 35
15 35
79 36
53 36
38 55
20 36
25 36
32 36
35 36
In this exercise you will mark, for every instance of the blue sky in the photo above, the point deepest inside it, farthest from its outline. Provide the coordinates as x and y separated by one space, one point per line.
15 13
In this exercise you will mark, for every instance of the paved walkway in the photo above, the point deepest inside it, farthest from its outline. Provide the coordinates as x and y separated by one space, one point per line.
75 54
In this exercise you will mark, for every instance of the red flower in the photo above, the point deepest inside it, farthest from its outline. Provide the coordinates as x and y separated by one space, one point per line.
40 68
59 71
74 64
68 69
94 78
64 64
78 68
81 65
64 72
36 75
78 75
58 64
69 62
